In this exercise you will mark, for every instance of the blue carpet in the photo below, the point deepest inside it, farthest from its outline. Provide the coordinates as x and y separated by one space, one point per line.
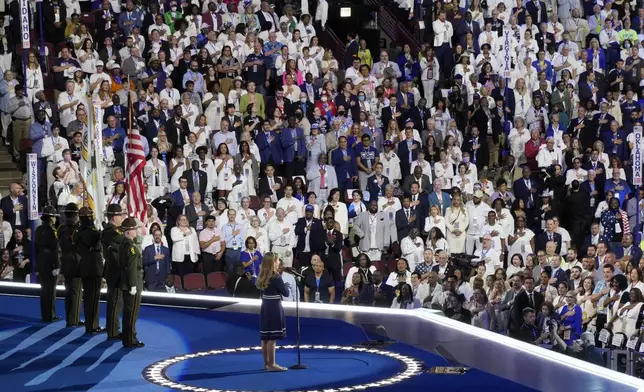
327 369
52 358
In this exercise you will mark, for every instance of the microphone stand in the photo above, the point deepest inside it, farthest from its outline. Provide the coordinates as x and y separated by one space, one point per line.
299 365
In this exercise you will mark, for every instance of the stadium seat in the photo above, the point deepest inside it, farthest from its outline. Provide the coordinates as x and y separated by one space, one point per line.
391 265
347 267
177 282
255 203
379 265
217 280
194 282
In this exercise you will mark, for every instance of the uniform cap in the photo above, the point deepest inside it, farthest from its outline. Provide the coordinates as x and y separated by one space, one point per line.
86 211
71 208
114 209
129 224
49 211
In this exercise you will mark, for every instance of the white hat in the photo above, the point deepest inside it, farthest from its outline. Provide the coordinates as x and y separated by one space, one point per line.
478 194
112 65
99 63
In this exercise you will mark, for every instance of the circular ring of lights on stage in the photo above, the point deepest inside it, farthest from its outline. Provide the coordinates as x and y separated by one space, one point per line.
156 373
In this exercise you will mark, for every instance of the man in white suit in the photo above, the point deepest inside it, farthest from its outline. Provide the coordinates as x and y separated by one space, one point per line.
321 179
375 230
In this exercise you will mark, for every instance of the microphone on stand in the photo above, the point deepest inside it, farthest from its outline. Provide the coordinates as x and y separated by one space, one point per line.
291 271
299 365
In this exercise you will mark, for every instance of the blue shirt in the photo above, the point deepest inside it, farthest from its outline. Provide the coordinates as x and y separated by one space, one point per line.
37 132
232 241
196 77
118 143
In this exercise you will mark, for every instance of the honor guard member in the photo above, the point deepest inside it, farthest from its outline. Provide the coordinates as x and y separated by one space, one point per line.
88 245
111 239
70 266
131 282
46 243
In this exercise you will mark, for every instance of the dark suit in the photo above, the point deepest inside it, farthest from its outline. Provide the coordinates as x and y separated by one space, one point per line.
177 205
478 156
316 239
177 131
586 135
425 189
10 215
111 239
332 255
156 271
403 225
193 217
344 170
635 253
403 154
382 300
264 187
462 28
521 190
151 130
419 117
386 114
350 53
560 275
521 301
103 55
533 11
374 188
542 239
541 40
121 117
421 210
46 245
203 182
586 94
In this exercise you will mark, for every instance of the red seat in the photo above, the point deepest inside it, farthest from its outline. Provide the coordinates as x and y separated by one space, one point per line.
177 282
391 264
255 203
378 264
346 268
217 280
194 282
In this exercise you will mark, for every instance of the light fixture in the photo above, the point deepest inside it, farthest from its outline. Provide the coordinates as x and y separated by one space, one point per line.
345 12
157 372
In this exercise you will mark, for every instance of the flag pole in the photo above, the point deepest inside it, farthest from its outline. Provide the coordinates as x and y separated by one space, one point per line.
129 141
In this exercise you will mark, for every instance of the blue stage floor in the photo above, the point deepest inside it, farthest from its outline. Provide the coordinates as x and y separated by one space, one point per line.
38 357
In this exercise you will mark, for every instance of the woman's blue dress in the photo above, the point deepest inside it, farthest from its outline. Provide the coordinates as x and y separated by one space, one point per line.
272 324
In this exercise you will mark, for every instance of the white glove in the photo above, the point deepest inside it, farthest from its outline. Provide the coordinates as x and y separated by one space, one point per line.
133 290
55 272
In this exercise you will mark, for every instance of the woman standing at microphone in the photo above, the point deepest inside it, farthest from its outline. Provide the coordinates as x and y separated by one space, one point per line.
272 324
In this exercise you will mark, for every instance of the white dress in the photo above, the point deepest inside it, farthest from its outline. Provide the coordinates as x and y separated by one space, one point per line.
215 110
174 181
456 219
341 216
444 171
522 245
225 175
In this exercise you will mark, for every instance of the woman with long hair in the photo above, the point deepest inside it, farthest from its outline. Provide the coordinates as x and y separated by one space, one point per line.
271 315
35 81
405 298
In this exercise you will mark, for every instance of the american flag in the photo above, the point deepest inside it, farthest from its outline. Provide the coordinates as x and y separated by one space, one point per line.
137 205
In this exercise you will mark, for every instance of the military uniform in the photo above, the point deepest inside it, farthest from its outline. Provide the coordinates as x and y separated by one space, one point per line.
47 265
88 246
131 261
111 239
70 267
